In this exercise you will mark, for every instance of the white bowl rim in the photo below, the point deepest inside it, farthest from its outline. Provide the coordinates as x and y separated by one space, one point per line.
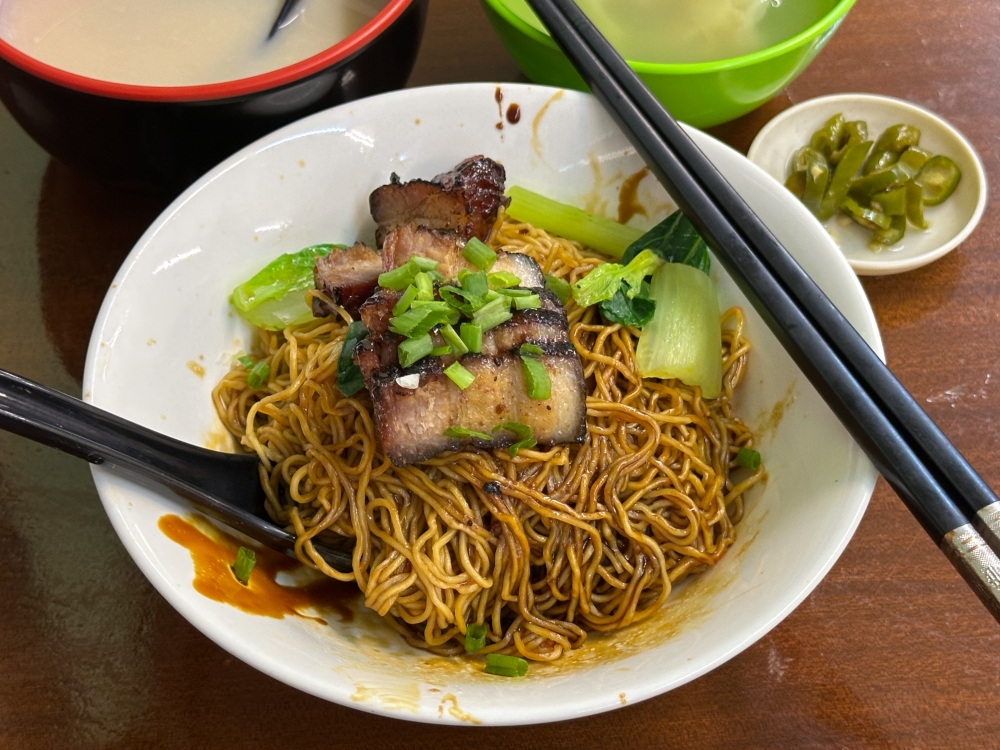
209 626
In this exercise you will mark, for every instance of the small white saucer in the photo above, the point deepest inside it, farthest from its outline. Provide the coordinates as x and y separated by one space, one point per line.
951 222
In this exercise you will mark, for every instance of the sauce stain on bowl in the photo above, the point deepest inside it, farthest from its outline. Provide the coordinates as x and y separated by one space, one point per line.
628 201
213 552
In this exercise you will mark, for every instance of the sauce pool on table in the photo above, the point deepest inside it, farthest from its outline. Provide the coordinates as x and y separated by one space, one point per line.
213 551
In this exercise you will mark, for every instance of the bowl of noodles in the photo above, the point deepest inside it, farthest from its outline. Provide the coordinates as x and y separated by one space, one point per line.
616 566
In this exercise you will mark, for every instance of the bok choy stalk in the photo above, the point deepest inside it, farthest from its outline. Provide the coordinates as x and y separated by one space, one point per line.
604 235
684 338
272 298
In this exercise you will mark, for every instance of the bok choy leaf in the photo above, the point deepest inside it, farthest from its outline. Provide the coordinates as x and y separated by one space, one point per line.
684 338
272 298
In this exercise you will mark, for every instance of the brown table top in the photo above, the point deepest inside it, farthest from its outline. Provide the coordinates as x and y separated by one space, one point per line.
891 650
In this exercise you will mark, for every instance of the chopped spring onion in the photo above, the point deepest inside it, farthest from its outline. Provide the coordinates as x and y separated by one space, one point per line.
516 292
415 349
398 278
441 351
536 377
506 666
349 377
246 361
475 638
531 349
405 301
559 288
425 287
602 234
684 338
258 374
748 458
245 560
531 302
476 284
451 336
492 314
419 320
503 280
461 432
604 281
472 337
459 375
423 264
479 255
523 434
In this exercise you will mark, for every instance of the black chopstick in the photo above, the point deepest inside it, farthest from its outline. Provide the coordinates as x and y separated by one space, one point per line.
931 477
286 10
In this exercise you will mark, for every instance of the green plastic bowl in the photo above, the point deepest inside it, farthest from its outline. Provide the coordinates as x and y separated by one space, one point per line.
701 94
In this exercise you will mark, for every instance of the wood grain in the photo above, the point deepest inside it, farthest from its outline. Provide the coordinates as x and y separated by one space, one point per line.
891 650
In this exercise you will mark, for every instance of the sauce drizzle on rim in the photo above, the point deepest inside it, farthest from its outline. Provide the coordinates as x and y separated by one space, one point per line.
213 552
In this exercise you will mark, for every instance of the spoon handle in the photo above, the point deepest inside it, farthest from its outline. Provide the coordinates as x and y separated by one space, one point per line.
221 485
60 421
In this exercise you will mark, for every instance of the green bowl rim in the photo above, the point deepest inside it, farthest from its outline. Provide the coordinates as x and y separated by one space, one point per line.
833 16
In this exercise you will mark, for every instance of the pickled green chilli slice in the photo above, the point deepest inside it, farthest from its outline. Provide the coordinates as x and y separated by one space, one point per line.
882 184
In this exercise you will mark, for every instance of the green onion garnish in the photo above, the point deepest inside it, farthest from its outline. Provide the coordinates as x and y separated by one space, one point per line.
456 298
459 375
246 360
258 374
451 336
425 287
420 319
559 288
506 666
516 292
245 560
404 302
419 263
398 278
536 378
748 458
441 351
349 377
527 303
461 432
492 314
523 434
479 255
531 350
472 337
413 350
475 638
475 284
503 280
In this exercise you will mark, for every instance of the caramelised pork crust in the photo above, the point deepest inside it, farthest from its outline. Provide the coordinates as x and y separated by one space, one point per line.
446 248
412 422
348 277
465 200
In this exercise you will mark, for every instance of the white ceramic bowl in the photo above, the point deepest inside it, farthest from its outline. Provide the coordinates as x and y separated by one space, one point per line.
951 222
309 183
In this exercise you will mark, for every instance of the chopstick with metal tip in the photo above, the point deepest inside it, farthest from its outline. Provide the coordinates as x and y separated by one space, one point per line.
931 477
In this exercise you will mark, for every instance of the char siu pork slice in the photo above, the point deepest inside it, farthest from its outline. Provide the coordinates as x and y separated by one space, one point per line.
465 200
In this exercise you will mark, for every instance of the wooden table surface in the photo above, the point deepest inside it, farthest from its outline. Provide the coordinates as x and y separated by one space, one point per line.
891 650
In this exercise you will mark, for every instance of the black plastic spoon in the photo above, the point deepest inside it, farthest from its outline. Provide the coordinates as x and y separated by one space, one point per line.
223 486
283 16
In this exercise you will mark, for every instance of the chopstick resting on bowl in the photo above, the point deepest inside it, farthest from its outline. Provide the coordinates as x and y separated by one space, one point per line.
949 499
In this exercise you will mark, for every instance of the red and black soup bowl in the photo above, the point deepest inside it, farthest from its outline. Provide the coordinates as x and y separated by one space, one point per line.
163 137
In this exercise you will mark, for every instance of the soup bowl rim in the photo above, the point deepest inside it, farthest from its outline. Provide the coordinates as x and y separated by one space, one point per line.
824 24
342 50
